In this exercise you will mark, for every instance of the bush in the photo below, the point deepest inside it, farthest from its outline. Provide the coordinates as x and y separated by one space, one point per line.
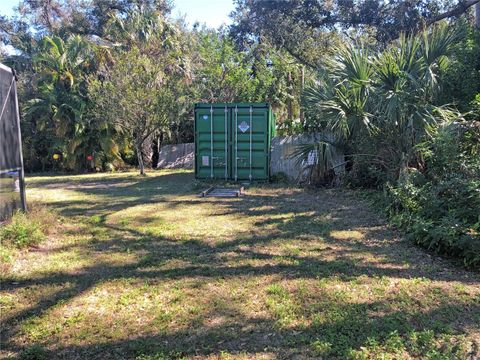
364 174
29 229
280 178
442 212
34 352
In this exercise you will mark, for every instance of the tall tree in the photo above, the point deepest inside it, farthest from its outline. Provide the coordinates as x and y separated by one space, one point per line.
60 102
305 26
132 98
84 17
137 93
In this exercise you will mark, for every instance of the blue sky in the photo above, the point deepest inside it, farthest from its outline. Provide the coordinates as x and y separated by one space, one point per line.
212 12
6 7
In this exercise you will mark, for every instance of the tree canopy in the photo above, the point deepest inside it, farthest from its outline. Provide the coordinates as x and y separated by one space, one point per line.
116 79
307 28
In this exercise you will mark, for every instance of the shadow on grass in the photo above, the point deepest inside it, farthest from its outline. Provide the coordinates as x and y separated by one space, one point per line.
313 215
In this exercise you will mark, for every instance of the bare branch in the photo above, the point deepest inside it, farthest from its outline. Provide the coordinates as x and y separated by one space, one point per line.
461 8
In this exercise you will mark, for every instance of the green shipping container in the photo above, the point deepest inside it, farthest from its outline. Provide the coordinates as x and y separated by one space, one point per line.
232 141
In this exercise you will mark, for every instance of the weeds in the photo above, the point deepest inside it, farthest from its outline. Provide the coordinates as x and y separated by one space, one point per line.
28 229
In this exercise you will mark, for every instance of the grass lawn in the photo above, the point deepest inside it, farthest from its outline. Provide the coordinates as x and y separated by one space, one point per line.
143 268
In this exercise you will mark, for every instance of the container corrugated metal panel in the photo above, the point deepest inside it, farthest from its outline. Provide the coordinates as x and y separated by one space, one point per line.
232 141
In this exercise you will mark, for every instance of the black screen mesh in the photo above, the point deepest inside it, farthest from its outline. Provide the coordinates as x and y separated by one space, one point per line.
11 171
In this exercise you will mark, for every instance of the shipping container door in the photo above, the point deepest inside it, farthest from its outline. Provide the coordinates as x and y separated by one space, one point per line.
211 132
250 136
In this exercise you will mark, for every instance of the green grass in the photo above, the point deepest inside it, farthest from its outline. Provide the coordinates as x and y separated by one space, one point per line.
142 268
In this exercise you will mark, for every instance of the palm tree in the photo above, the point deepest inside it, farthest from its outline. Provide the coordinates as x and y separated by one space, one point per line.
342 93
61 106
388 98
138 27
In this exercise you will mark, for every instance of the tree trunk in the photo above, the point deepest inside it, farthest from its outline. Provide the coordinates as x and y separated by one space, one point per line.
147 151
301 92
289 101
156 151
140 158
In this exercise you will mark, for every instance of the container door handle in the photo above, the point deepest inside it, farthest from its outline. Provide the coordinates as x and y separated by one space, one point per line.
236 142
226 143
250 175
211 141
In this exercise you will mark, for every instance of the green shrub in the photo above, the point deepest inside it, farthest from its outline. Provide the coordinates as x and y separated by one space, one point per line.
442 212
280 178
416 345
34 352
29 229
364 174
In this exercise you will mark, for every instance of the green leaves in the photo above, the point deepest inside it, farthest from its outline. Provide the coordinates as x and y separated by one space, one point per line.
388 97
140 28
342 96
317 157
61 109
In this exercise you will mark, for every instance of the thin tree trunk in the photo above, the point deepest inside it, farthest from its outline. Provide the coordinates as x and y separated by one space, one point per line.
147 150
290 105
140 159
301 92
158 152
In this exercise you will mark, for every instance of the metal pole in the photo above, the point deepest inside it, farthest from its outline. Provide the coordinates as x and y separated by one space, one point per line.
236 142
19 135
477 15
250 175
211 142
195 143
226 145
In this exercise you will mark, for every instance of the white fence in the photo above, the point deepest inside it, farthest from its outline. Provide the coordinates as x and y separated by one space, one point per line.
281 161
176 156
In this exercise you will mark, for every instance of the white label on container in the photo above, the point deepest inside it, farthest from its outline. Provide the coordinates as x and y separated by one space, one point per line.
205 160
205 117
243 126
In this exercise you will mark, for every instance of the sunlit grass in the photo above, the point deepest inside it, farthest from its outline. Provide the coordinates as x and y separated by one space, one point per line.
143 268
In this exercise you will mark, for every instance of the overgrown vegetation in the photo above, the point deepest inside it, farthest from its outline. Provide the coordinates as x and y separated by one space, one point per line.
379 106
387 113
439 208
24 231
